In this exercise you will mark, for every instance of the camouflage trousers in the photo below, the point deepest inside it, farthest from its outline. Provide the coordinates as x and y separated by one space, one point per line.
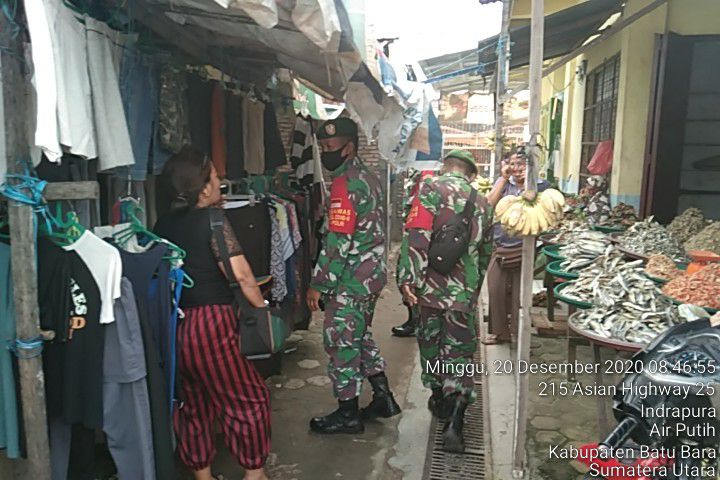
353 353
447 341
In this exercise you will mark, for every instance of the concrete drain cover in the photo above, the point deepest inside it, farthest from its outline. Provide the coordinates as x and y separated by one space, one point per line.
470 465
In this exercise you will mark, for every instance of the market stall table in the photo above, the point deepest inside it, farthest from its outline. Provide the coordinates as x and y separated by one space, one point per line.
597 342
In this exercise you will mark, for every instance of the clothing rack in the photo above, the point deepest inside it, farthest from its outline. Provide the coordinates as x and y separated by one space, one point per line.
24 277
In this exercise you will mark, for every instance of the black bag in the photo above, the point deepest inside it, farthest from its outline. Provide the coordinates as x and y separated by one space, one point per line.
450 241
262 331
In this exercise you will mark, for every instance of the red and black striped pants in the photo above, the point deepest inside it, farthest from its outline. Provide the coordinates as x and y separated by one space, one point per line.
219 383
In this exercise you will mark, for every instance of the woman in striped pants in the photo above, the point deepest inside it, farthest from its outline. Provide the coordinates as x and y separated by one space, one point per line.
217 382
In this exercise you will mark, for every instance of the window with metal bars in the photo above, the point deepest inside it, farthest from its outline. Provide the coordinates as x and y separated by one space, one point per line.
601 96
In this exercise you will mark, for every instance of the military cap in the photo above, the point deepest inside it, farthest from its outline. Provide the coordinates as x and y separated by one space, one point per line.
338 127
465 156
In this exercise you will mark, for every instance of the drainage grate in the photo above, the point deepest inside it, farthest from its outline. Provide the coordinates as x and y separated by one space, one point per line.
470 465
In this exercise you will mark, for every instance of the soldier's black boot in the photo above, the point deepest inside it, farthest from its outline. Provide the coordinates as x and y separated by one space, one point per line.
453 440
346 419
383 404
408 328
440 406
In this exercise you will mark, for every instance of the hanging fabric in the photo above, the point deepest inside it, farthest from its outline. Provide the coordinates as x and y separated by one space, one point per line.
114 147
217 129
253 112
9 422
302 154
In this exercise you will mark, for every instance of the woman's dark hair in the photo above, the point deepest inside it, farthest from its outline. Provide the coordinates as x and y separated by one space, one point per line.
186 173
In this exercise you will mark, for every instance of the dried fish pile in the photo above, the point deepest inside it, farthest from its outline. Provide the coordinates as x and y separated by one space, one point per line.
622 215
662 267
707 239
687 224
649 237
597 208
583 248
628 305
702 288
628 324
568 229
609 279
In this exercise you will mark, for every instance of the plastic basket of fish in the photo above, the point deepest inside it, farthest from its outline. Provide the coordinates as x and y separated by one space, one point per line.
549 238
553 251
554 268
570 300
594 325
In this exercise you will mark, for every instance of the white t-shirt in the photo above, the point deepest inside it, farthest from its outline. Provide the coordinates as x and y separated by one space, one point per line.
104 262
74 98
44 81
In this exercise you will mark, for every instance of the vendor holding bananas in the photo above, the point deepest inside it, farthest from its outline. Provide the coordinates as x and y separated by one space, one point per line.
503 275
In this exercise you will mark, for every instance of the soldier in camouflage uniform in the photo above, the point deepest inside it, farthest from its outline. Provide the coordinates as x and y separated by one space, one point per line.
349 275
411 190
447 334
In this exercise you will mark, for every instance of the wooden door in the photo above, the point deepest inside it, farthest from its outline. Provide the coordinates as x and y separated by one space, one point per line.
666 126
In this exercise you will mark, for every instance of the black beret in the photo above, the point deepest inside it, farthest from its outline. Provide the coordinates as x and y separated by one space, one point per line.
339 127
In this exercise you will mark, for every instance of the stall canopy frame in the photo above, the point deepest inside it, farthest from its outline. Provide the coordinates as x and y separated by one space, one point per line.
566 31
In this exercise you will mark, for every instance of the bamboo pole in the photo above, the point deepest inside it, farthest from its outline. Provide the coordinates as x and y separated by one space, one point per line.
528 253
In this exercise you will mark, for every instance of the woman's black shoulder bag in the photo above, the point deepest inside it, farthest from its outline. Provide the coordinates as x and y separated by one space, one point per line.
262 331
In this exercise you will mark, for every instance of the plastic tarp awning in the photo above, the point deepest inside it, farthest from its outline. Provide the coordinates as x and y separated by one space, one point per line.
312 38
564 31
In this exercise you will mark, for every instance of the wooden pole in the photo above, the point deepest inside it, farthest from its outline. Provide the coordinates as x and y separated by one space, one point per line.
501 76
528 254
23 264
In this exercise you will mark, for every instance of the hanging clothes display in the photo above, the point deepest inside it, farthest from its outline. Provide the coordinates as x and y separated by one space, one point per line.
253 112
109 369
234 132
173 122
252 227
275 155
45 83
9 422
302 156
139 84
155 316
199 93
114 147
217 129
127 421
74 100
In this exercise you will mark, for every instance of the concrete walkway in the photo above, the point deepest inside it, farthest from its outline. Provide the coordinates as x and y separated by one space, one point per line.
554 420
391 449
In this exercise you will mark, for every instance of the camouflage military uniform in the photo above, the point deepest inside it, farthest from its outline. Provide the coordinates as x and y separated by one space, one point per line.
411 189
350 273
447 327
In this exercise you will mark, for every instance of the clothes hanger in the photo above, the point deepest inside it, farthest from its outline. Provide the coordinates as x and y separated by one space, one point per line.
63 231
137 227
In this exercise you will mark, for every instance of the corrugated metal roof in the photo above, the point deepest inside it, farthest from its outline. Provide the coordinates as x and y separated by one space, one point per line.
564 31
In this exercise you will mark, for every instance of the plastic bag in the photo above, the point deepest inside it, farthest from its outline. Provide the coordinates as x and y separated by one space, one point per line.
602 161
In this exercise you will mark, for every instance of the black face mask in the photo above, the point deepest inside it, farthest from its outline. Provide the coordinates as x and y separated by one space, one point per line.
333 160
